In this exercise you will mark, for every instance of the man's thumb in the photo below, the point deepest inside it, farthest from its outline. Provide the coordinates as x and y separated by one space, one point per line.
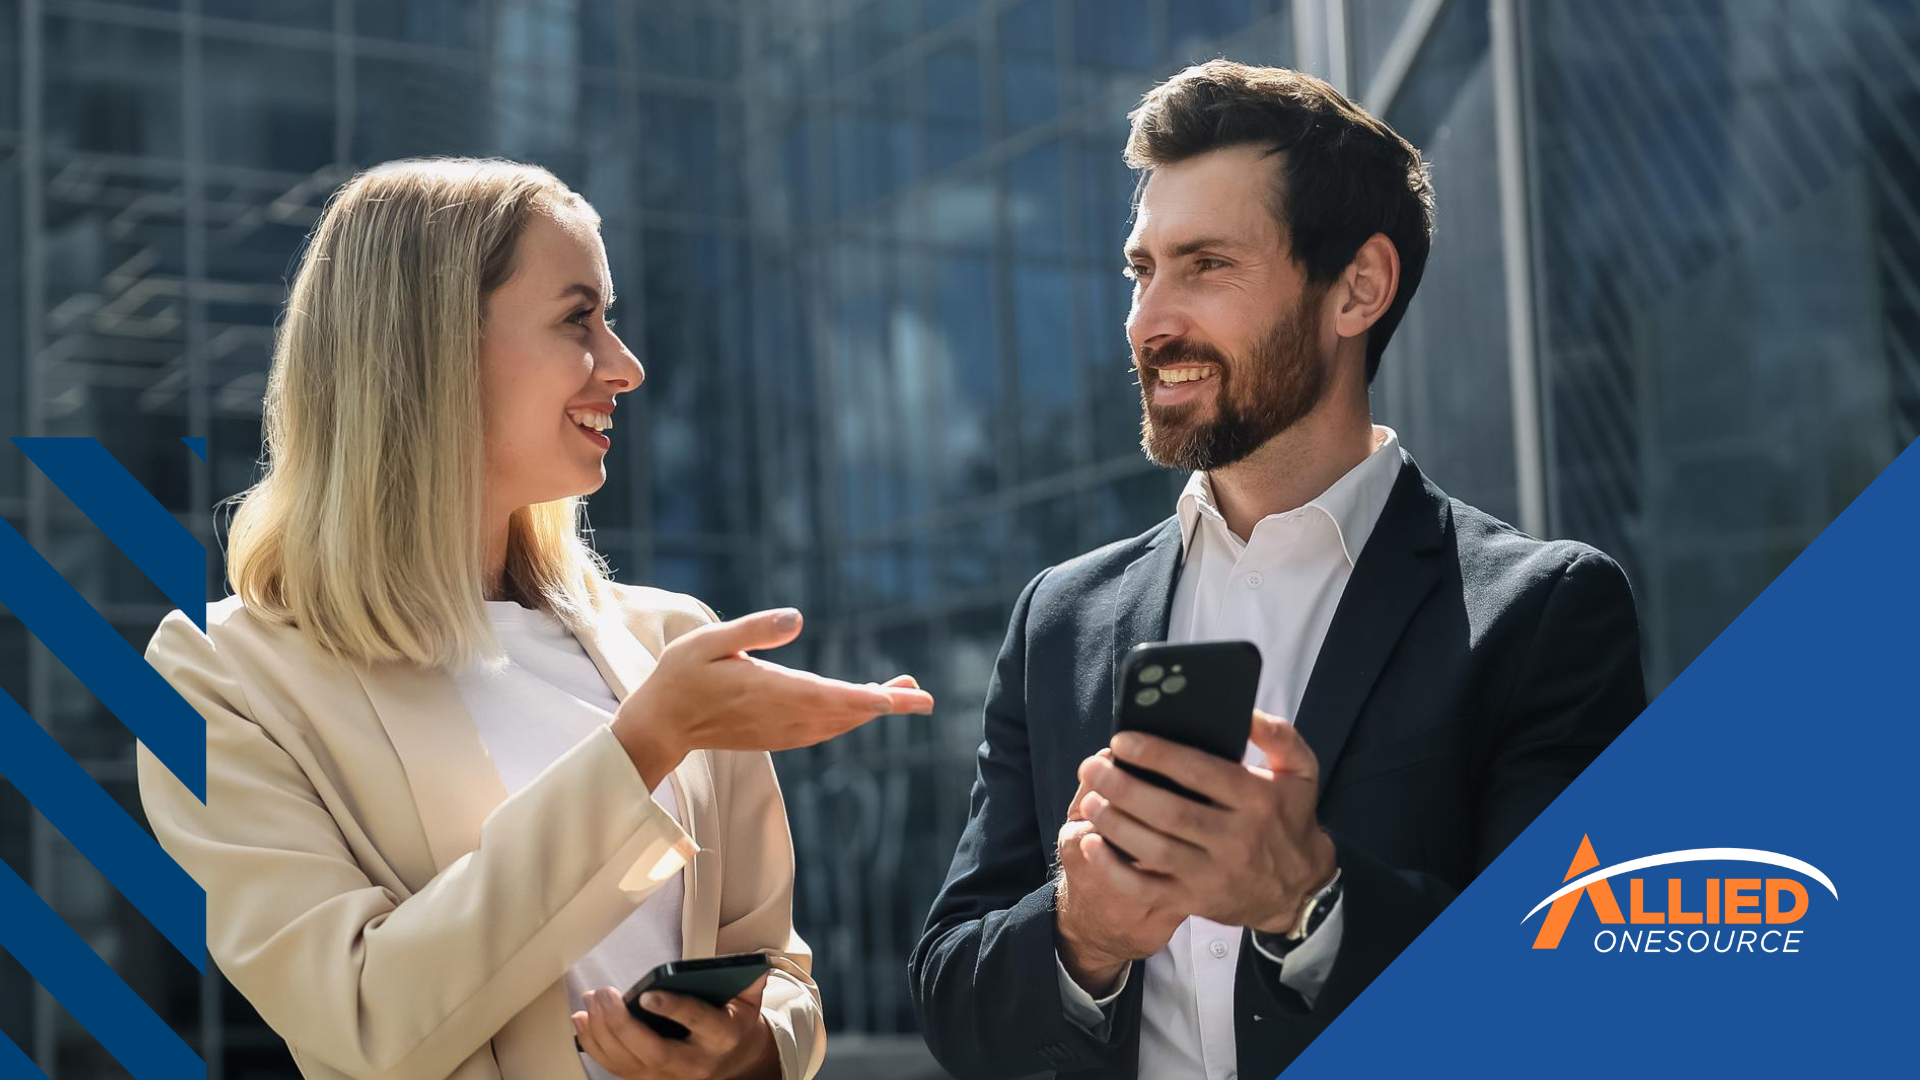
1286 751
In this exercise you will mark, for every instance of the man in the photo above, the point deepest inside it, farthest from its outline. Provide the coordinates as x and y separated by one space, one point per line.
1446 675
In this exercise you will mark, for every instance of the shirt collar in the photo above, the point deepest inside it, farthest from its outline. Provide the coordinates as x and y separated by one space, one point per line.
1353 503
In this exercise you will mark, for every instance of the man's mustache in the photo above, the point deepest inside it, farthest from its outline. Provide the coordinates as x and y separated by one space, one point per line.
1182 351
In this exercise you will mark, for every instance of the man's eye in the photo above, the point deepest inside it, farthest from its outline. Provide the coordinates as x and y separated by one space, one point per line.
1207 264
1135 271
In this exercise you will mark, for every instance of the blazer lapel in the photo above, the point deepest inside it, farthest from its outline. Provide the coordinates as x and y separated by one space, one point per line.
1398 568
613 643
455 785
1143 606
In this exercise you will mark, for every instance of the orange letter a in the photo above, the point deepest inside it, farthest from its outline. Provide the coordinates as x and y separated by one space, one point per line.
1561 913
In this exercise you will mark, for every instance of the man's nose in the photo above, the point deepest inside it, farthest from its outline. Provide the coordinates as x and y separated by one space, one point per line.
1155 319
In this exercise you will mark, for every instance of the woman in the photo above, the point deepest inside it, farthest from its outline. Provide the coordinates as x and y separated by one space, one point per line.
462 787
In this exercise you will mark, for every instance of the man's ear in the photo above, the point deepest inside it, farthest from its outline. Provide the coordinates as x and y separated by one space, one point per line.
1367 286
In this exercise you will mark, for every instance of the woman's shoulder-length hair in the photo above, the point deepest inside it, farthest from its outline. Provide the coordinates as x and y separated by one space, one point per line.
365 528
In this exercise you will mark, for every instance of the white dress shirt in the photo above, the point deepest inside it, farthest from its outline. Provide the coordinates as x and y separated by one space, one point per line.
545 699
1278 589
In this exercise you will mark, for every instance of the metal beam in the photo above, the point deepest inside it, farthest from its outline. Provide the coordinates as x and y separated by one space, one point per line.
1516 247
1415 28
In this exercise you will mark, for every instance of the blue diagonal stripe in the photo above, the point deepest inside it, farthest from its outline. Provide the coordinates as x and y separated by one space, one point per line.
99 657
58 960
93 823
15 1064
164 550
197 444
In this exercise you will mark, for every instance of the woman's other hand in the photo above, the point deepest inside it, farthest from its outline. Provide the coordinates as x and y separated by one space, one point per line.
723 1043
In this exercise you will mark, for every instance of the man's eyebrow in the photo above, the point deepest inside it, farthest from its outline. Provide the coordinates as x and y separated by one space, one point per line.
1136 250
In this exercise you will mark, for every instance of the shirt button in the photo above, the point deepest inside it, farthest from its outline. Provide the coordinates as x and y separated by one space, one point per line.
1254 581
1218 949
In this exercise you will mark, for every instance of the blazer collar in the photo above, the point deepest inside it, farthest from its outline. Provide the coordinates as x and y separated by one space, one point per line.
1144 603
1400 565
1397 568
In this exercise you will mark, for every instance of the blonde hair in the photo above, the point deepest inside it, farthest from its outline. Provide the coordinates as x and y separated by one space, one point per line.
366 529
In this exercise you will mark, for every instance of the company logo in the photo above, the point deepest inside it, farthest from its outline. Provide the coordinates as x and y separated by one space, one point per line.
1746 914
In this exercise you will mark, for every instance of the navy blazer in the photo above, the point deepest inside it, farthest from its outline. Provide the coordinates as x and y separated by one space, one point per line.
1470 673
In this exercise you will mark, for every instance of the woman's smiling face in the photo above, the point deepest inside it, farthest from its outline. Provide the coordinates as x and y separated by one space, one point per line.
549 360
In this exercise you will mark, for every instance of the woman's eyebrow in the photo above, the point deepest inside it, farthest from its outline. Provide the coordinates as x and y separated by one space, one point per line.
586 292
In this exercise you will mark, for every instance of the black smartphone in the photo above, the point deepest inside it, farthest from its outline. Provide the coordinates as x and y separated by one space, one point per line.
1198 694
715 980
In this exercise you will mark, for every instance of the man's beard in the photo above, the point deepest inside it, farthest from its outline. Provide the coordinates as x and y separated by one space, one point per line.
1256 397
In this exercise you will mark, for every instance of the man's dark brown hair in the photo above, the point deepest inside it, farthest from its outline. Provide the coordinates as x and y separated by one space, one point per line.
1346 175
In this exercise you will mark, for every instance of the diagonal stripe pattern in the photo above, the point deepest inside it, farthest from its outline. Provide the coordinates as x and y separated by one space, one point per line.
96 826
58 960
50 608
131 517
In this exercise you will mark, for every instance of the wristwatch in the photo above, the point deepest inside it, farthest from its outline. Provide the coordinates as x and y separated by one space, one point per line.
1312 914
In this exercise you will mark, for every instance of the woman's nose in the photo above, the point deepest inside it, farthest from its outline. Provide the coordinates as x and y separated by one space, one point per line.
622 367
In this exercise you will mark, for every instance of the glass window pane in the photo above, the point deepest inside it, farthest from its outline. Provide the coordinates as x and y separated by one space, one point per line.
452 23
1444 382
1049 389
439 115
1729 257
954 108
9 72
1036 201
311 14
964 357
267 107
1191 22
1029 64
111 89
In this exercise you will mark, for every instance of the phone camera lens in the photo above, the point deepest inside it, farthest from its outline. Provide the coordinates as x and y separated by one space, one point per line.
1174 684
1146 697
1152 673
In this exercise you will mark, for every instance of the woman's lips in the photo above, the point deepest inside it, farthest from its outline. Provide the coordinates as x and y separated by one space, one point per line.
599 440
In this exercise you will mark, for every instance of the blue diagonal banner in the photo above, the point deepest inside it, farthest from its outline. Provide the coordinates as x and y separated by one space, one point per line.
77 978
1734 870
94 824
123 852
99 657
132 518
15 1064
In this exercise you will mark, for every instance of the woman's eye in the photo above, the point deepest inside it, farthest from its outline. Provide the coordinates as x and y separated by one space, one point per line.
579 318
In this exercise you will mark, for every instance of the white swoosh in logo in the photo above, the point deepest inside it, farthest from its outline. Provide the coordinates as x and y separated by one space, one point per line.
1711 854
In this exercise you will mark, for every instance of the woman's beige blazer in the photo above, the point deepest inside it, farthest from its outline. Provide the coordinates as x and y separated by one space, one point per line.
391 913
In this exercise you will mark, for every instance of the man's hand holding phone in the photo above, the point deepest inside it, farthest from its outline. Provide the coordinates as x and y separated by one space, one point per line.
1252 859
1100 923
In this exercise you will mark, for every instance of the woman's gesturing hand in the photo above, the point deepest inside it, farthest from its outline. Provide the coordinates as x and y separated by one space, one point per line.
730 1042
708 694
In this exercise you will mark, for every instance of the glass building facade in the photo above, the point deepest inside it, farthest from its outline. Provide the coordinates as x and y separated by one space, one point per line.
869 253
